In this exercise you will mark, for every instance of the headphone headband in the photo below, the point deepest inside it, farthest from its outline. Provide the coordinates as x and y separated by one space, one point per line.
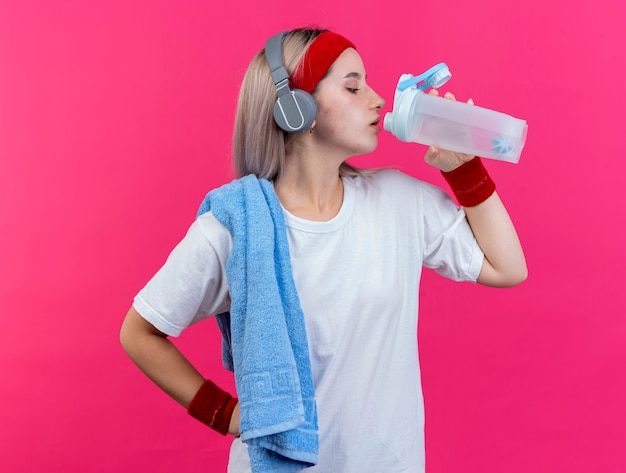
274 58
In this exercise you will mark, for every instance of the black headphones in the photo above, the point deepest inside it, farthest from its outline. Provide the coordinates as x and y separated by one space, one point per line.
295 110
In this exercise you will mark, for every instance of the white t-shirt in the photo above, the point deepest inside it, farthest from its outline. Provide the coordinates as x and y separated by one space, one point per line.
357 277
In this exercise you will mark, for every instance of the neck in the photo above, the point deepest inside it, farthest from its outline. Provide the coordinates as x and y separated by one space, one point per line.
310 187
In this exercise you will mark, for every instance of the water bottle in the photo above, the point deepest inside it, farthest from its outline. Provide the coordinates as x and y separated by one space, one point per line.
447 124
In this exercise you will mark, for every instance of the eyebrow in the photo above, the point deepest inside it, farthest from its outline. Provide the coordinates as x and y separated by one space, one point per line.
351 75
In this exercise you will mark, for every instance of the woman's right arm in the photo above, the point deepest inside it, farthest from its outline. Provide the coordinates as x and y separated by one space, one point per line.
159 359
163 363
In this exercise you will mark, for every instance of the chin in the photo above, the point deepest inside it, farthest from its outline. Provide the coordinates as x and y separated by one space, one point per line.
369 149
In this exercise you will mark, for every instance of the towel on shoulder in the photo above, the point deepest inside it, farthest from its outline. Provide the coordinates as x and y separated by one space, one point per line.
264 334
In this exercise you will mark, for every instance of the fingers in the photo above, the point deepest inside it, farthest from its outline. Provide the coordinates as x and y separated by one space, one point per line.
432 154
449 96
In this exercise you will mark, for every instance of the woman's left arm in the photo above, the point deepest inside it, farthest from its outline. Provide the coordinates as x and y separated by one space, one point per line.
504 264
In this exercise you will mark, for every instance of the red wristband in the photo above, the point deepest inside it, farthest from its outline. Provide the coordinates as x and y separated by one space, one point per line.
470 183
213 406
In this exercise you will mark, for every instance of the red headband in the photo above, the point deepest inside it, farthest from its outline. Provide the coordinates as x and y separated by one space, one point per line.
321 54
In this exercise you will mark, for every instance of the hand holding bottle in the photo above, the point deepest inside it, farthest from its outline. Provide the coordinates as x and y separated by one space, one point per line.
442 159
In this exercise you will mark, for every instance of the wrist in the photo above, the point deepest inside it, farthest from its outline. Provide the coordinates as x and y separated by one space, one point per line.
213 407
470 183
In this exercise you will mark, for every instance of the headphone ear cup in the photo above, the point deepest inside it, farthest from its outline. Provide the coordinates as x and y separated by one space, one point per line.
308 105
295 111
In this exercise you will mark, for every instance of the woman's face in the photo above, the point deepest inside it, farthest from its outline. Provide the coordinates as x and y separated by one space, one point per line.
347 108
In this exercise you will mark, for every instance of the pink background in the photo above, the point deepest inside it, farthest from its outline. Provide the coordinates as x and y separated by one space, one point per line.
115 120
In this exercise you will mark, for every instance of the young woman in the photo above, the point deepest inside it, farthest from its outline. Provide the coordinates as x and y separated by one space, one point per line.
357 241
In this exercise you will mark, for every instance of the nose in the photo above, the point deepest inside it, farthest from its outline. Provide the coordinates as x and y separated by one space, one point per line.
377 101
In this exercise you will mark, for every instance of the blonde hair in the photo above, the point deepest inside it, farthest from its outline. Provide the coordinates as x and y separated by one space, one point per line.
259 145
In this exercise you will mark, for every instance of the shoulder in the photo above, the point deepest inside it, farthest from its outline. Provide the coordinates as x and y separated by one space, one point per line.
209 230
393 182
205 240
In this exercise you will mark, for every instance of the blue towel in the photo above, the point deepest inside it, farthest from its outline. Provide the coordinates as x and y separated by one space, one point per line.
264 335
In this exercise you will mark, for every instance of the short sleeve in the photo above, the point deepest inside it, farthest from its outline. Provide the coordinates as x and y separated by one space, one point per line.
191 285
450 247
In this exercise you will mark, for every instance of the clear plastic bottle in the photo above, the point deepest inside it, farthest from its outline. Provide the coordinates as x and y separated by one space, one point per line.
447 124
